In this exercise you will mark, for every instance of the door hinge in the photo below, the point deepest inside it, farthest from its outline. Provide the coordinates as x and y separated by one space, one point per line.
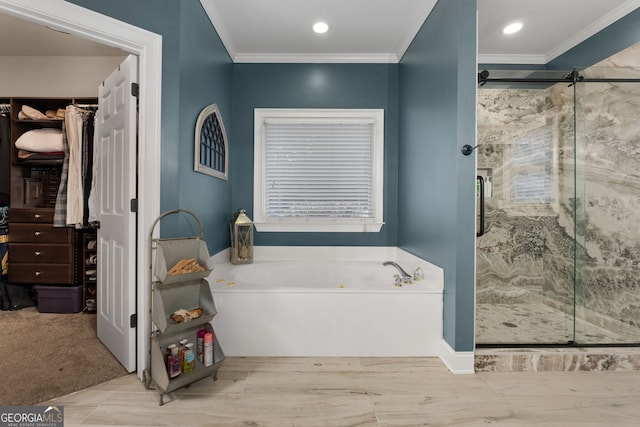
133 320
134 205
135 89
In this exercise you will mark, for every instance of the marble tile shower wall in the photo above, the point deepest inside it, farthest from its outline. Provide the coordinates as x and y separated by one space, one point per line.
527 253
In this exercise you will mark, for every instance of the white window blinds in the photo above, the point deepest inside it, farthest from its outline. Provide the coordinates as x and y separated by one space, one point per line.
319 167
532 167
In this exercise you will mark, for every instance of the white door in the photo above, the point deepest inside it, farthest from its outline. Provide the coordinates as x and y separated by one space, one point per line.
116 123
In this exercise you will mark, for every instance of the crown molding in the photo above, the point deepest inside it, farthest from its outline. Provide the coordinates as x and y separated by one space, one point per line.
236 57
599 25
414 27
214 16
315 58
489 58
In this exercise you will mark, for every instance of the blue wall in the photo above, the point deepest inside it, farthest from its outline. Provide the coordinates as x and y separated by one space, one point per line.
436 182
196 71
314 86
206 75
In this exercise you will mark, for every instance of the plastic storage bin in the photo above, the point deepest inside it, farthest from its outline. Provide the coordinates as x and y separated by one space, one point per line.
59 299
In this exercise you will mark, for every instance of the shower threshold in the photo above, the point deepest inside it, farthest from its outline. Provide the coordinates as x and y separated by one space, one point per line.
547 359
537 337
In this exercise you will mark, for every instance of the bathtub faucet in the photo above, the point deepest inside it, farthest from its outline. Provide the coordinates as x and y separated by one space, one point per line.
406 277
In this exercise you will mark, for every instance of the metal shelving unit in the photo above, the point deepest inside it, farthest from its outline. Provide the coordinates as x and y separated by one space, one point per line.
172 292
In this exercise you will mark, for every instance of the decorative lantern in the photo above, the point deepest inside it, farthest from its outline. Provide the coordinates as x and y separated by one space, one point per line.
241 229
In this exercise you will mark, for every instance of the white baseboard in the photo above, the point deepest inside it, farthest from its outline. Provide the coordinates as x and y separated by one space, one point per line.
458 362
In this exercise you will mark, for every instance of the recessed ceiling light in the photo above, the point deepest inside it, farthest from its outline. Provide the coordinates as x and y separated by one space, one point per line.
320 27
512 28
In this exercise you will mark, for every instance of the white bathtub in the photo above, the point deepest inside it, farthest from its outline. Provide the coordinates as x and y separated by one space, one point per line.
326 301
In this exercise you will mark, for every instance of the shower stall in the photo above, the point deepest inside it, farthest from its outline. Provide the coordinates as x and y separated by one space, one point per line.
558 152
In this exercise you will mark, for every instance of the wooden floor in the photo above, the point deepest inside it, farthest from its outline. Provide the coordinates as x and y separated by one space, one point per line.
331 392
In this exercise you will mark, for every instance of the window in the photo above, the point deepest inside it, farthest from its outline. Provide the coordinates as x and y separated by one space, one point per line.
211 144
531 174
318 170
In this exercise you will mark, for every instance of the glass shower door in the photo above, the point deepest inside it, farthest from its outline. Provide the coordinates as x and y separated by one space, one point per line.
525 259
608 201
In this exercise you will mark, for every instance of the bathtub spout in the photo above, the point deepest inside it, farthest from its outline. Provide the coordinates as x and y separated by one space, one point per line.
406 277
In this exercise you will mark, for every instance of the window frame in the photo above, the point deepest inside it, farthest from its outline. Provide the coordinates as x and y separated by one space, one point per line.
317 224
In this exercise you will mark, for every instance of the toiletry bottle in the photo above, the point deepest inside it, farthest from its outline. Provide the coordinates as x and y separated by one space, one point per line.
181 348
166 356
173 361
189 359
208 349
200 342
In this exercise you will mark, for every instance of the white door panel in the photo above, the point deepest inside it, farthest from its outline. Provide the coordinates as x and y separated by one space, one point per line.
116 138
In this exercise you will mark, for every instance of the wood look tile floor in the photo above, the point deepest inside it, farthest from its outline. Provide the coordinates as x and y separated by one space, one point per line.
357 391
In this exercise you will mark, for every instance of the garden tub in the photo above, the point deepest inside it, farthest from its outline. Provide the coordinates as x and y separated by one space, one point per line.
327 301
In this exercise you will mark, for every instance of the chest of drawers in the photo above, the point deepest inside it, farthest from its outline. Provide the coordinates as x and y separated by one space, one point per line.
38 252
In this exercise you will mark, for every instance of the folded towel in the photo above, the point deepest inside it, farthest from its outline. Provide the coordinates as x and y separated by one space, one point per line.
32 113
24 155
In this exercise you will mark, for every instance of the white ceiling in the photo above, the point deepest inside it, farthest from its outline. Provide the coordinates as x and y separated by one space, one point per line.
551 27
23 38
360 30
280 30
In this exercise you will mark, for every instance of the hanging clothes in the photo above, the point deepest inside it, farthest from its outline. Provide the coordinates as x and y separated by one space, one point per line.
88 119
5 153
92 201
75 200
72 207
60 209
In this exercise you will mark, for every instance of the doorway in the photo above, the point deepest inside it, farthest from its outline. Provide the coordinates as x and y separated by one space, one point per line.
147 46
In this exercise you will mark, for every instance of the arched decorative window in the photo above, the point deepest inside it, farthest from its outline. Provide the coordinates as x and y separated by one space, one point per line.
211 151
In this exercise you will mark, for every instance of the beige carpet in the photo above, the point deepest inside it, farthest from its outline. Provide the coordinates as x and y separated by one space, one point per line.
50 355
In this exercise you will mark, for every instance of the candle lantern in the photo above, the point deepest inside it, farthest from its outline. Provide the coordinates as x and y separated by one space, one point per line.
241 229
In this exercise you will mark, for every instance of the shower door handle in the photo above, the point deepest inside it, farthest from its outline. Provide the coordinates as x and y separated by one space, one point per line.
480 184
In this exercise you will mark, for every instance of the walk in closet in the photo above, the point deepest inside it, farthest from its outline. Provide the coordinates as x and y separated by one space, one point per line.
50 174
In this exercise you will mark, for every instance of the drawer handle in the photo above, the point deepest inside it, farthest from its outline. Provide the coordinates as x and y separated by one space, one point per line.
38 253
38 273
37 233
37 216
